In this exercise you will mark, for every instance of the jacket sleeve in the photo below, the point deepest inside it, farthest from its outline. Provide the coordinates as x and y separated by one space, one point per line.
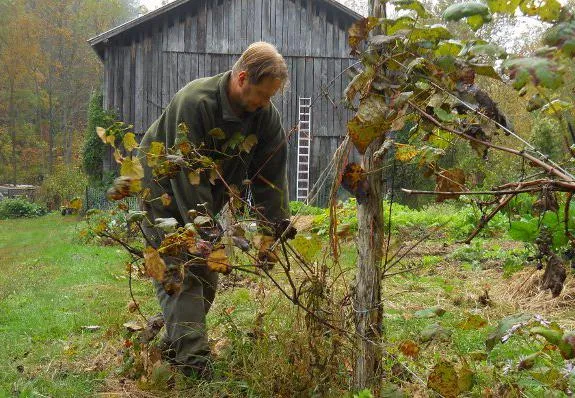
268 173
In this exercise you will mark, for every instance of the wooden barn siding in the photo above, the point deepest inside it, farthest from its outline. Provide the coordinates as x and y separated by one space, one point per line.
146 68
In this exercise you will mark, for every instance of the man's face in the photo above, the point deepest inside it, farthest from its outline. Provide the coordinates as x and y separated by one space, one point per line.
256 96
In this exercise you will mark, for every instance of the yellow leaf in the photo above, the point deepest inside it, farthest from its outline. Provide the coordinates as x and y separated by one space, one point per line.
154 152
405 152
166 199
217 133
218 262
248 143
76 204
132 168
194 177
155 266
130 142
213 176
106 138
136 186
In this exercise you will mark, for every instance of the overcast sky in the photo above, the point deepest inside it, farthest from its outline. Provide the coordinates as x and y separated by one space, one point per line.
151 4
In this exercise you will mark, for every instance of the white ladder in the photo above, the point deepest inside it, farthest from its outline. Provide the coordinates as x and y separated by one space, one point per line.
303 148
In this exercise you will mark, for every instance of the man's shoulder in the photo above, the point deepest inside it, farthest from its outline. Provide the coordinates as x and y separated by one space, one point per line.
199 91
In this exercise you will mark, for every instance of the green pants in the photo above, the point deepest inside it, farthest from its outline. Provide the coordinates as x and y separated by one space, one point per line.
184 312
185 316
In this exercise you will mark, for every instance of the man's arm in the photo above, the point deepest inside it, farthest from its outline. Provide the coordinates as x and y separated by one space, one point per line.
268 172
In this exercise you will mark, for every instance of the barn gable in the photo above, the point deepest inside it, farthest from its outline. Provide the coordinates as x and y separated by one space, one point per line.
147 60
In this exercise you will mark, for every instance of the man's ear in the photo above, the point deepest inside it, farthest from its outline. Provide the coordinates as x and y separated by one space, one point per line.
242 78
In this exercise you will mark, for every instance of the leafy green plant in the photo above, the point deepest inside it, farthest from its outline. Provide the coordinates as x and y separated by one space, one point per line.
63 185
16 208
93 150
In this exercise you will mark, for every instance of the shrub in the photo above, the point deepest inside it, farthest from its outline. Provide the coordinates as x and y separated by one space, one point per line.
17 208
94 149
63 185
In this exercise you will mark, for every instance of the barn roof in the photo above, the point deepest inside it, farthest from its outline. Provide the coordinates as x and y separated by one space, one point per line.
102 38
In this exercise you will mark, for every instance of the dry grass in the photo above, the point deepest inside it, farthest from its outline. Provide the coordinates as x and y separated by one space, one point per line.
523 291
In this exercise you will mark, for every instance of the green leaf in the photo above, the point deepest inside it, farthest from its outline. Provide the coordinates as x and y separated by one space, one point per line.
524 230
465 378
541 71
217 133
405 152
233 142
562 36
564 341
430 312
248 143
455 12
154 152
432 33
383 40
136 216
359 84
503 6
411 5
373 119
435 332
477 21
489 50
472 322
485 70
547 10
449 47
556 107
399 24
446 63
443 115
389 390
130 142
504 326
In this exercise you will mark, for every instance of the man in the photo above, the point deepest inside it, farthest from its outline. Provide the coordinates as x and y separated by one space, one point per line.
235 101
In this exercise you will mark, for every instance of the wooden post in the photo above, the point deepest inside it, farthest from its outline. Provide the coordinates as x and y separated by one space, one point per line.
367 300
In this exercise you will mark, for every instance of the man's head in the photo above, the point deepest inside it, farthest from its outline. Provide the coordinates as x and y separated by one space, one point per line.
256 77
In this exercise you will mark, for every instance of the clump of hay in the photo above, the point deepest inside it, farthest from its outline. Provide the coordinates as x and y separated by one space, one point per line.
523 290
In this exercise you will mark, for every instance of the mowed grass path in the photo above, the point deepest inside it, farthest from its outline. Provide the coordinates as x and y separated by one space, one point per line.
50 287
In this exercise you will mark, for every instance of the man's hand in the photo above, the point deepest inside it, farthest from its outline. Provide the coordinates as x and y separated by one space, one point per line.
284 226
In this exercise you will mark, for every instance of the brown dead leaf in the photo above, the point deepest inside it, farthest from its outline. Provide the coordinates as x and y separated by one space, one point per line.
451 180
155 266
218 261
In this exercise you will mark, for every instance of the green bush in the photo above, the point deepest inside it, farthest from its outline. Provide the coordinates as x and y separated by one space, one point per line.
17 208
302 209
63 185
93 150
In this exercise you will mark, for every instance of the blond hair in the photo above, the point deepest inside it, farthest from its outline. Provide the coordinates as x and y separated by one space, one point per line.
261 60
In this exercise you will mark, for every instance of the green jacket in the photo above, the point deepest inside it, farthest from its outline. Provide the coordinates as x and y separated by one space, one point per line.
203 105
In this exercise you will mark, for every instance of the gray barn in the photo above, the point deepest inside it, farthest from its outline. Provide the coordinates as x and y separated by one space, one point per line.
147 60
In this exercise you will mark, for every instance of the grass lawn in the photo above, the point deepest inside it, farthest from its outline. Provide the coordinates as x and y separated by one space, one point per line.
52 287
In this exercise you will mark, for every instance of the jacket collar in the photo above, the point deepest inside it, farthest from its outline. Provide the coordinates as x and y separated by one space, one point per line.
227 111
